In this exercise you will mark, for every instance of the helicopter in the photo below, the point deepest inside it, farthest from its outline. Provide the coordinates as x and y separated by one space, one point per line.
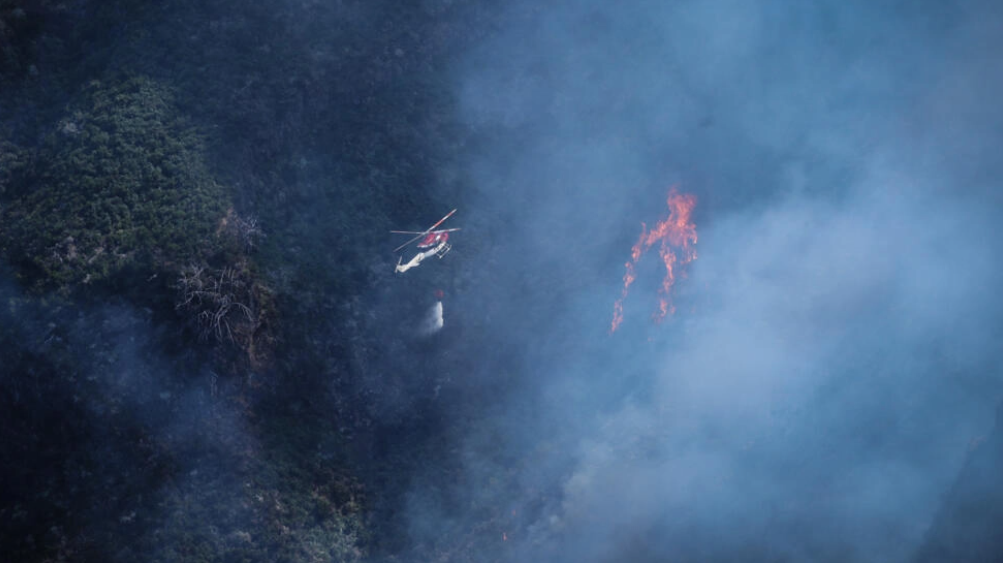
431 242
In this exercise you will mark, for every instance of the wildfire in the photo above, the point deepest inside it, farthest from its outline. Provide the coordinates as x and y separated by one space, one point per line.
677 237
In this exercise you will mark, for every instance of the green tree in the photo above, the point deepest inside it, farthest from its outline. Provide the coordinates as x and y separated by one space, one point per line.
121 182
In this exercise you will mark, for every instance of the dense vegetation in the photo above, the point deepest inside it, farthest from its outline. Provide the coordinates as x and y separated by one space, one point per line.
190 199
120 183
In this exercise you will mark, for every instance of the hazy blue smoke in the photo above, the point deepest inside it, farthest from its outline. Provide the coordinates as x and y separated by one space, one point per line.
834 353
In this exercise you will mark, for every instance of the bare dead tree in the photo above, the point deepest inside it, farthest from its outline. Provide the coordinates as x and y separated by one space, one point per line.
216 302
248 232
244 232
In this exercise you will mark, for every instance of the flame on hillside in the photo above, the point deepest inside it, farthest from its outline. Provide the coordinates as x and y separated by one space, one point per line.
676 236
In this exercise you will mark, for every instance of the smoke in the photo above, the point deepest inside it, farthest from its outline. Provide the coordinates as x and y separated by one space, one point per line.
819 383
95 414
832 355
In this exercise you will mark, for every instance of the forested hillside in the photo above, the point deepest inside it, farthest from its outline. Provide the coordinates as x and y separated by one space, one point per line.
194 201
724 285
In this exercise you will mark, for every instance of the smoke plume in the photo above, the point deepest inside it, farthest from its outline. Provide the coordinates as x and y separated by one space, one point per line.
833 354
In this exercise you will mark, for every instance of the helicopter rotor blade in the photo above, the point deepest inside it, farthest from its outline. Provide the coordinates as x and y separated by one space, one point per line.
448 215
409 242
430 229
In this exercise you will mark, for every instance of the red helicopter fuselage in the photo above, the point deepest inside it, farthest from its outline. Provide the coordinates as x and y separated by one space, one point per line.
433 239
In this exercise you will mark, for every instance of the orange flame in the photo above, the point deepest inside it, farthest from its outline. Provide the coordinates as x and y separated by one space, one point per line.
676 236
